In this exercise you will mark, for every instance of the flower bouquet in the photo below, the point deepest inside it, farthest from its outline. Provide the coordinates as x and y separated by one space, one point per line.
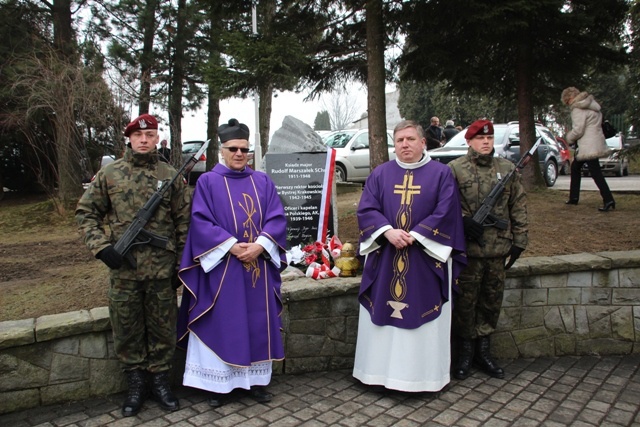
317 258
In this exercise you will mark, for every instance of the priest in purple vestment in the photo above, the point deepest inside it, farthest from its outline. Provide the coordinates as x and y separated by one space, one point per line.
229 319
411 232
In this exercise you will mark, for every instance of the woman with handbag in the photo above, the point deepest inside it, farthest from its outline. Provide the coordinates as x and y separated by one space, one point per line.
586 133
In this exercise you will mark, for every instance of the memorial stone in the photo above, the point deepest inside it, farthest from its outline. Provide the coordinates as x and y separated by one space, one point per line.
302 169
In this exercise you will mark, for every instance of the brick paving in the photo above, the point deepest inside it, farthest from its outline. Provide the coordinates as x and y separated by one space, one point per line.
565 391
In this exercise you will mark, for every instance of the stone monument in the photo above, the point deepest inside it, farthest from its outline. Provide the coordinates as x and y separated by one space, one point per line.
302 168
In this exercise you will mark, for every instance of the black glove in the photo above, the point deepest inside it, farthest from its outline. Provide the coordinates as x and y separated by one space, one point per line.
514 254
473 230
175 281
111 257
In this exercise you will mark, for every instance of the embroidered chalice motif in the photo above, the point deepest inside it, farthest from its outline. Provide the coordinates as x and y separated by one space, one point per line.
397 306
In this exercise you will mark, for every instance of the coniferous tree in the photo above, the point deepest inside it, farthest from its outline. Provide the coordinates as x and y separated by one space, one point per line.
513 50
322 121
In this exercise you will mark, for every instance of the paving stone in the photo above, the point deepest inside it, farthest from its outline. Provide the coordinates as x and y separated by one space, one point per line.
100 420
253 422
591 416
312 423
562 415
448 417
287 421
405 423
618 416
158 422
566 391
480 414
330 417
422 415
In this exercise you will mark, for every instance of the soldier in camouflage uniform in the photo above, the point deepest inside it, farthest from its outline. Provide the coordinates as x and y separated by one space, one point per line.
142 300
476 309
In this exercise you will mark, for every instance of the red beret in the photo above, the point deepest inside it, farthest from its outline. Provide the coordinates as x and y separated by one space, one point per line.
479 127
145 121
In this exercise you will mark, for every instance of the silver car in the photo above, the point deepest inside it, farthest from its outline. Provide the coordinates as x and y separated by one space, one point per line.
612 163
352 153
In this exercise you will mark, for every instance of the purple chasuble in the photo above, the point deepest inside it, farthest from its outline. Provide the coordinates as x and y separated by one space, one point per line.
235 308
407 288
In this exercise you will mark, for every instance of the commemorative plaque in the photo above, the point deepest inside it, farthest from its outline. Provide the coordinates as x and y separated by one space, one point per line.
304 181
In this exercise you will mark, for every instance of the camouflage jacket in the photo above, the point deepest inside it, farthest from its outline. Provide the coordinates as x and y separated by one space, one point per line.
112 200
477 174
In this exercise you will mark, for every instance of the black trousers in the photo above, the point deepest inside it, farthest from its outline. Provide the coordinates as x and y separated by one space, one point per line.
596 174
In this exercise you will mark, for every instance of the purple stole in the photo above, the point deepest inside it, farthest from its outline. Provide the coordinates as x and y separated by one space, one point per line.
407 288
235 308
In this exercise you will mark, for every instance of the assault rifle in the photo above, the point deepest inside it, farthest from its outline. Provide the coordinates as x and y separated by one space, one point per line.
135 234
483 215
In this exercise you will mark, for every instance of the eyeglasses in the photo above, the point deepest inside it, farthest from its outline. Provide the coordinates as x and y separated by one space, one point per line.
235 149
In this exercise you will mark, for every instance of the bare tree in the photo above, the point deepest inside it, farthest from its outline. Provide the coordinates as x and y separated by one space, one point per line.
342 108
45 85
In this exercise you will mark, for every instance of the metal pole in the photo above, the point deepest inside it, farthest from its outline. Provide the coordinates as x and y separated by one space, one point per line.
257 153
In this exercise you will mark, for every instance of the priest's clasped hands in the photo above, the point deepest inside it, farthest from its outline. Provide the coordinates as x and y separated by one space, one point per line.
247 252
399 238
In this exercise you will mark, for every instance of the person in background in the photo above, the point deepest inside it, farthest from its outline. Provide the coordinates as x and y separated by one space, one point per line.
586 133
435 137
142 299
164 152
477 307
229 319
449 131
412 235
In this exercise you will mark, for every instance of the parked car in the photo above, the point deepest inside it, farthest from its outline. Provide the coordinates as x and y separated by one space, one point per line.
565 153
323 133
507 145
189 148
352 153
105 160
612 163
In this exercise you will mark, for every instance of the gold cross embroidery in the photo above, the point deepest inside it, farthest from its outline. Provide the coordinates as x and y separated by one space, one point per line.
438 265
436 232
407 190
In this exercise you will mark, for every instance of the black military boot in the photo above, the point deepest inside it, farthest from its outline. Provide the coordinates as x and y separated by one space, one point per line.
161 391
136 394
260 394
462 368
483 358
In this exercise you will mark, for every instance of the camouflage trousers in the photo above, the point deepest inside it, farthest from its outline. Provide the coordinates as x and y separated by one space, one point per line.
477 308
143 317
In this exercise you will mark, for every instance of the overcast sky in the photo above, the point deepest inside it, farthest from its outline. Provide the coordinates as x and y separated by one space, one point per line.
194 124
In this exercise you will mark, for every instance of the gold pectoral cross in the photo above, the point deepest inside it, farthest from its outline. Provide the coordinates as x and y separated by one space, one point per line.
407 190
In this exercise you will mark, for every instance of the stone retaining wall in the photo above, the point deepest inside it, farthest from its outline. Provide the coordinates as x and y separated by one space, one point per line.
573 304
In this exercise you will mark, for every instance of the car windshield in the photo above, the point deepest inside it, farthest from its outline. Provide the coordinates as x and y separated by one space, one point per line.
191 147
339 139
459 141
613 143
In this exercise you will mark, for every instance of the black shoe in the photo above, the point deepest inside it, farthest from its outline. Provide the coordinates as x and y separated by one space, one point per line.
607 206
161 391
462 369
216 400
260 394
571 202
483 360
137 393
